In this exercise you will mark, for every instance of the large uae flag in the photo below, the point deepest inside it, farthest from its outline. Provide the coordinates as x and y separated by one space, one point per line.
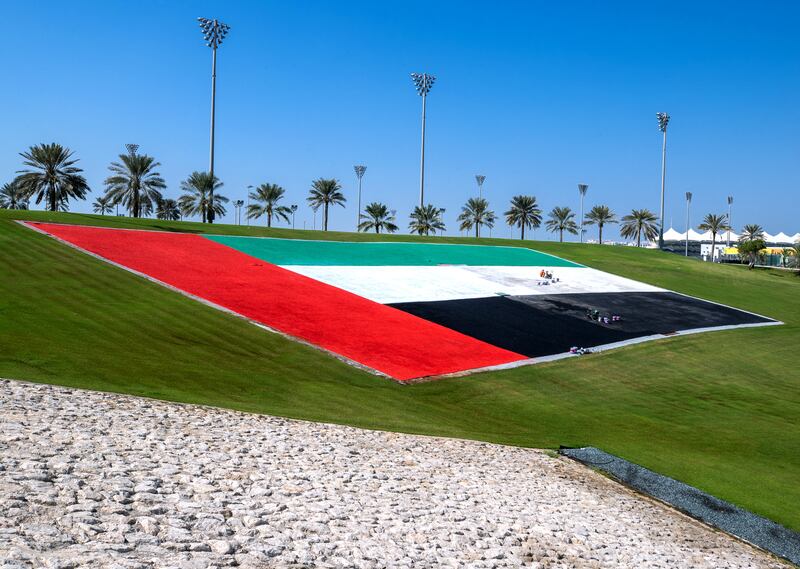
409 310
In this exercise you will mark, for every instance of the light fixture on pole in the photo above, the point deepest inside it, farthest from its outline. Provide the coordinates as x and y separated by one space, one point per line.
360 170
663 121
214 32
238 211
688 201
423 83
294 209
248 204
730 224
480 179
582 189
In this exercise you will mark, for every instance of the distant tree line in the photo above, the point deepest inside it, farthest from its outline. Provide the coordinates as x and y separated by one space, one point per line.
51 177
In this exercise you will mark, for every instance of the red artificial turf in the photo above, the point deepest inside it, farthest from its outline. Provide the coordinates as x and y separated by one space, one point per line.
380 337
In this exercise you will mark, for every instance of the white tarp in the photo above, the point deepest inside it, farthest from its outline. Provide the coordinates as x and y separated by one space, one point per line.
672 235
388 284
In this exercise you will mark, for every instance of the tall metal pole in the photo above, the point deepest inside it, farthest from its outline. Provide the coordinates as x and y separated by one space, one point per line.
730 222
248 204
663 120
480 178
688 201
422 157
582 190
423 83
359 170
211 157
214 32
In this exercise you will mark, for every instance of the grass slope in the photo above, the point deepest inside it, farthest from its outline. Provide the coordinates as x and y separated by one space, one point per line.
718 411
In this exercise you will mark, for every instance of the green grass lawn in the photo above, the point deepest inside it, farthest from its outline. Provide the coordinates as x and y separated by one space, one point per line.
720 411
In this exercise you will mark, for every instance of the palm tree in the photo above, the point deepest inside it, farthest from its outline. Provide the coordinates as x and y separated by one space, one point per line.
266 198
168 209
426 220
325 193
103 205
752 232
134 183
53 176
12 197
377 216
524 212
561 219
715 224
475 213
195 200
600 215
637 223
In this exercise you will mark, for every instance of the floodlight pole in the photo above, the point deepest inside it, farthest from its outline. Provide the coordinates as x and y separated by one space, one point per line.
211 157
294 209
480 179
582 188
248 204
663 121
423 83
688 202
359 170
214 32
730 224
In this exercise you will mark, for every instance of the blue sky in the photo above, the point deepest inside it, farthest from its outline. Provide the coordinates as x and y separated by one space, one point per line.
537 96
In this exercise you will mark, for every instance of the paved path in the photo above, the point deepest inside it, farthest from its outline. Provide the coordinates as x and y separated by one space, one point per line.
100 480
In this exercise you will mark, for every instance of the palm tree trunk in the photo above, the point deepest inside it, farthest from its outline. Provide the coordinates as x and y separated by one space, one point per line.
522 226
325 216
601 233
639 238
477 230
52 197
560 235
269 219
377 228
713 245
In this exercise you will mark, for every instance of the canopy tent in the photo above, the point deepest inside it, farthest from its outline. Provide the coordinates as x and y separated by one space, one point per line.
782 238
733 236
672 235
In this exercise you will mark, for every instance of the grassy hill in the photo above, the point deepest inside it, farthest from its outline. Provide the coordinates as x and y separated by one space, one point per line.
718 411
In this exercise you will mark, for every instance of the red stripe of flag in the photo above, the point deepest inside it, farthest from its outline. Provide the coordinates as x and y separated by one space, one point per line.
383 338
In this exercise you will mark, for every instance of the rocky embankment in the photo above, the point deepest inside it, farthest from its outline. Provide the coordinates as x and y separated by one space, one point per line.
99 480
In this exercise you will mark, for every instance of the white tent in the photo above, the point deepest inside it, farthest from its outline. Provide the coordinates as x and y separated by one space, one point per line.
672 235
724 236
783 238
769 238
795 237
695 236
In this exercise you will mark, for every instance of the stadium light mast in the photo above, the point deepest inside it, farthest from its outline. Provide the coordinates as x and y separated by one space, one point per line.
582 188
248 204
214 32
688 202
423 83
294 209
730 224
359 170
480 178
238 211
663 121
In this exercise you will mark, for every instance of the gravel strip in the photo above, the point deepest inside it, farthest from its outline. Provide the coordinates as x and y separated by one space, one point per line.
755 529
100 480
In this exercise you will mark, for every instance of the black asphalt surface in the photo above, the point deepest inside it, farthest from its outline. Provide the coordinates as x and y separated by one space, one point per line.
759 531
542 325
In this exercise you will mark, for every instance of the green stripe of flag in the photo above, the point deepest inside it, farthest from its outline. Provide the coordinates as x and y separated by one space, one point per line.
339 253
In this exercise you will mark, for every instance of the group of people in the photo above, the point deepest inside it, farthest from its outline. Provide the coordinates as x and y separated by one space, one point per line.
595 315
547 277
